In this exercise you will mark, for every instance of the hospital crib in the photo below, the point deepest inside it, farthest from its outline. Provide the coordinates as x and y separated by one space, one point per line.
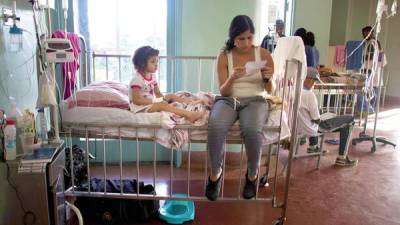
167 181
337 98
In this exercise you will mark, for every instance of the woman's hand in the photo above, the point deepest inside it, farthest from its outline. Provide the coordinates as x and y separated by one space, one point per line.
238 72
267 73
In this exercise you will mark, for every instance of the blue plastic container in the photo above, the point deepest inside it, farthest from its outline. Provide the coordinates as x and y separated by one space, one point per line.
177 211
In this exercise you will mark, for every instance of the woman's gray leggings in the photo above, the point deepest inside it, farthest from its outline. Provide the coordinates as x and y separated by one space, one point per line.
252 113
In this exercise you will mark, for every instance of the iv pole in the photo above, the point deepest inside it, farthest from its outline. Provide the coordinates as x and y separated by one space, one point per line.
381 7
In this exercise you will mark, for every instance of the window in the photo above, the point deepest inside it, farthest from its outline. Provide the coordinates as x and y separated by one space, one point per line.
120 27
272 10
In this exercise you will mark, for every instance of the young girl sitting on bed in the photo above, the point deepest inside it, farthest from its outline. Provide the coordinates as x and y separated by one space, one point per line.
145 95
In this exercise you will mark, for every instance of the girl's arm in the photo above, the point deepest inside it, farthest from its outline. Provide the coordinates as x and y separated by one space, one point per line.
158 93
172 97
138 99
226 80
268 71
175 98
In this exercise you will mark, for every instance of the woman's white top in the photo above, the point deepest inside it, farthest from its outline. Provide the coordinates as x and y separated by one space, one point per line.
249 85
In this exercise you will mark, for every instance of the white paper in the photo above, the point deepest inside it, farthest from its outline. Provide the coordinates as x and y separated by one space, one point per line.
254 66
327 116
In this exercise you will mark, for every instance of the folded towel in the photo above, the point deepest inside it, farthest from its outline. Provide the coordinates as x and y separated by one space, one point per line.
354 60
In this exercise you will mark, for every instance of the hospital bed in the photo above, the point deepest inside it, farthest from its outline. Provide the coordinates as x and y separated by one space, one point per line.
104 124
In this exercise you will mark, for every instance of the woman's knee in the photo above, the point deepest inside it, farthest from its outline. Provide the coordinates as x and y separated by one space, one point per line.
251 131
217 125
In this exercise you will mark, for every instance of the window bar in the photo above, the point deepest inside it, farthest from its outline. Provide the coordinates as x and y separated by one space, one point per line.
104 161
137 161
120 159
189 166
87 158
240 168
173 76
154 159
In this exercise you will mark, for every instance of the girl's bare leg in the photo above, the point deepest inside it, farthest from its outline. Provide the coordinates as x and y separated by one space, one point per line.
189 115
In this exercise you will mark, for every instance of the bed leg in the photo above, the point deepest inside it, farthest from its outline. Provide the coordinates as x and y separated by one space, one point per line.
177 158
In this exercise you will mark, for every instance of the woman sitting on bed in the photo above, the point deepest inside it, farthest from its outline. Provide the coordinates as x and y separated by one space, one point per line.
242 98
145 95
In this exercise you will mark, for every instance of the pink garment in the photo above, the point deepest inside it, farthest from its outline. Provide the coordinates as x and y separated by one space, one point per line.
69 69
340 55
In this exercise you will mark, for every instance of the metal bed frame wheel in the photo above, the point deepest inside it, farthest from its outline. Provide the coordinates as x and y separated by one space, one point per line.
279 221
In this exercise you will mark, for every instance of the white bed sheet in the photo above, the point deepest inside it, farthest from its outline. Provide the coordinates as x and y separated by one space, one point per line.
168 137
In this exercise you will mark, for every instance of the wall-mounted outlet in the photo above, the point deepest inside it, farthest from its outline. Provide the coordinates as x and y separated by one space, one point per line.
6 15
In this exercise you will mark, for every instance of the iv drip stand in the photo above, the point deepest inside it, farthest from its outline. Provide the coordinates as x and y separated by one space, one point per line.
363 135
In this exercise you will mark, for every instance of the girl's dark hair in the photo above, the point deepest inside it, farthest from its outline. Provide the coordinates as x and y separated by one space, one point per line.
310 39
301 32
141 56
239 24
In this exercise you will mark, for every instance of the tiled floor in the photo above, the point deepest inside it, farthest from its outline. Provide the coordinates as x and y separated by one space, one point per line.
368 194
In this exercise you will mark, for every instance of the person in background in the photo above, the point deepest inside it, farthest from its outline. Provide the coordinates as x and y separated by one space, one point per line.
242 98
312 53
310 122
145 95
301 32
367 68
269 42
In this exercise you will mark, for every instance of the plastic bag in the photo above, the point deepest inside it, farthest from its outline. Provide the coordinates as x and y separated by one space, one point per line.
47 87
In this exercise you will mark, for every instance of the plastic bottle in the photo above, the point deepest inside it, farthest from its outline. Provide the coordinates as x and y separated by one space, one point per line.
41 124
10 140
15 112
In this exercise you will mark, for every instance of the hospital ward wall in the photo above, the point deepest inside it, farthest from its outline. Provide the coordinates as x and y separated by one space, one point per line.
19 83
204 30
315 15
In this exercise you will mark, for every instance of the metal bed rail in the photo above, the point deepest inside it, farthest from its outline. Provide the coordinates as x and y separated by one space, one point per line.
192 70
337 98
